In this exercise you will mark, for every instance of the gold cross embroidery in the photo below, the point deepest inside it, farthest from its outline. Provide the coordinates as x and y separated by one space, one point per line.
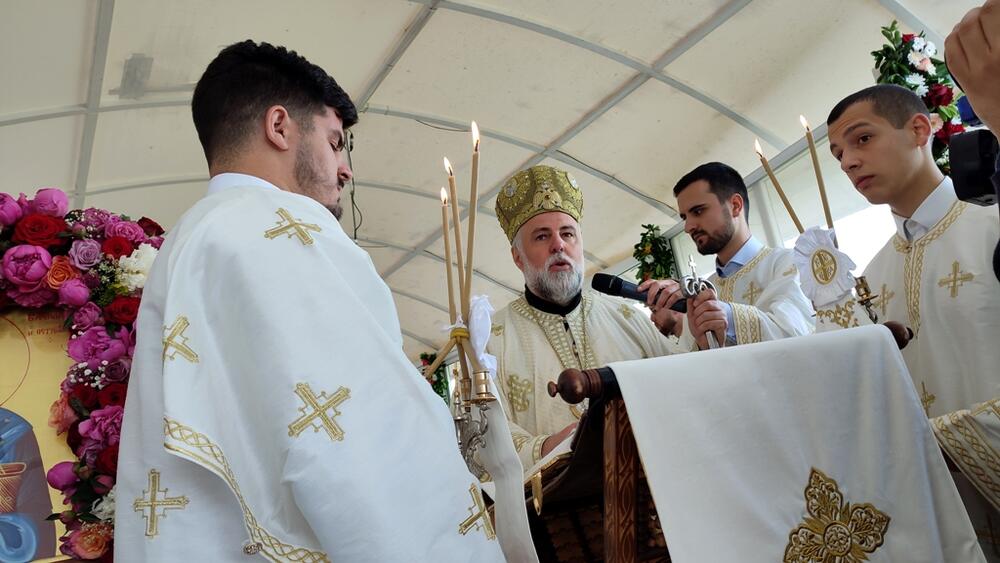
956 279
882 301
156 502
315 411
176 343
790 271
926 399
520 390
292 227
834 530
626 311
751 294
479 518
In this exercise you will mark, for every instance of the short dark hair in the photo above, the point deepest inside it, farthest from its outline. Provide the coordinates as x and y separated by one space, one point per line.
723 181
893 103
245 79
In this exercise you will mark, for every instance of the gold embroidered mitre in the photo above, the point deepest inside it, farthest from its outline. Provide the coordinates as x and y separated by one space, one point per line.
539 189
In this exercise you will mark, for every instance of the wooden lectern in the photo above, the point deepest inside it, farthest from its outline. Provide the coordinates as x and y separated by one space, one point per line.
594 505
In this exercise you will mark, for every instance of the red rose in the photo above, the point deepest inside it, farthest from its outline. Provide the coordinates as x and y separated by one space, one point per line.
150 227
117 247
949 129
122 310
113 394
73 438
908 37
85 395
107 460
40 230
939 95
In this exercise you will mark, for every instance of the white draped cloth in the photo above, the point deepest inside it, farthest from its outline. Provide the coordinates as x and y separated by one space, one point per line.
801 450
271 410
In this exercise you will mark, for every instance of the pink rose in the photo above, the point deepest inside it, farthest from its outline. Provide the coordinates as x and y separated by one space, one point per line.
85 254
127 230
61 415
10 211
74 293
87 316
155 242
26 266
91 541
101 430
33 299
24 203
127 336
50 201
95 218
62 476
118 370
95 346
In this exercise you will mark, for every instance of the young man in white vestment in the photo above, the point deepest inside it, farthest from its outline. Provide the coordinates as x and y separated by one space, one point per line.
758 287
271 412
556 324
934 276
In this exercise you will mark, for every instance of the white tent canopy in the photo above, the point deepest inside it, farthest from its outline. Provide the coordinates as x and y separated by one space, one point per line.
626 95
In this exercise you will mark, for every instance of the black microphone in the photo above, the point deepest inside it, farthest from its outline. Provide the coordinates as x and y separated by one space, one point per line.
613 285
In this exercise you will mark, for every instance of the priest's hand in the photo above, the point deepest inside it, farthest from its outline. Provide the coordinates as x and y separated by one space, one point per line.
706 313
973 58
554 440
660 296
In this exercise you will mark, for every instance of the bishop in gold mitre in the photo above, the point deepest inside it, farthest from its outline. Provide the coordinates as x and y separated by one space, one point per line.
556 324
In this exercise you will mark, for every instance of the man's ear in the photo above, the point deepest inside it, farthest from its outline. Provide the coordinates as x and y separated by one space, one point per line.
518 261
736 205
920 127
277 127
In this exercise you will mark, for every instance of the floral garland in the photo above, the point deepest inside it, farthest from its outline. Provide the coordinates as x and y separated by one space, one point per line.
908 60
93 265
438 379
655 256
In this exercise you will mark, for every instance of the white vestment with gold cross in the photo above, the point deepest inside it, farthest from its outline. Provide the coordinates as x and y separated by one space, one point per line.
942 286
533 347
271 412
766 297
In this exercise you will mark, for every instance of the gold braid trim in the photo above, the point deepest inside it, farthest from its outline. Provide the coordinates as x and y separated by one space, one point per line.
913 264
202 451
943 426
747 320
727 286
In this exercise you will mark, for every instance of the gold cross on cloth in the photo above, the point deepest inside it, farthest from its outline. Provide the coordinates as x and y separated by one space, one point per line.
316 411
176 343
292 227
956 279
752 293
926 399
158 501
520 393
479 518
882 301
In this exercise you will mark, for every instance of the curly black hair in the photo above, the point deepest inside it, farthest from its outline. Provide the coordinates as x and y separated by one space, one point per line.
245 79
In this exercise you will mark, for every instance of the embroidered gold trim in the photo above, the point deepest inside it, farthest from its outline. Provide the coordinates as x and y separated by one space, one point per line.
747 321
202 451
156 502
519 392
991 405
913 264
479 518
970 465
727 286
834 530
841 315
790 271
497 330
292 227
956 280
520 440
926 399
573 346
315 412
176 341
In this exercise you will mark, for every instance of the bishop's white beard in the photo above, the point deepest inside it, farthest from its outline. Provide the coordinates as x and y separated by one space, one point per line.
556 287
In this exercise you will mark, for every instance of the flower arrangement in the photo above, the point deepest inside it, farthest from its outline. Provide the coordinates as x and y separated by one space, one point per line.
655 256
438 379
908 60
92 264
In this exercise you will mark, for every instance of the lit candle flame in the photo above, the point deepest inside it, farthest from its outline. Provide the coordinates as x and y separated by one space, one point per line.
475 136
447 166
756 147
444 197
805 123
